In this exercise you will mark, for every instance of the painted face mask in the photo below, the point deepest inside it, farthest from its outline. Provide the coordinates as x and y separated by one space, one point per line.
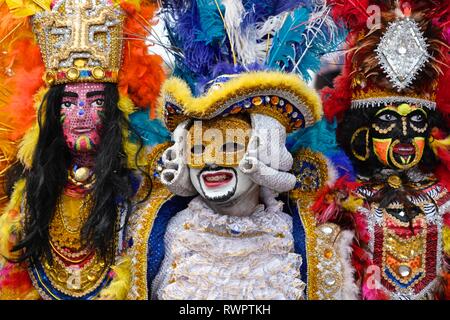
214 151
399 134
81 111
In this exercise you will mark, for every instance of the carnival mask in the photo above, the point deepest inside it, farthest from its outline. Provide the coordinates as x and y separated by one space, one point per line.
81 110
214 151
398 135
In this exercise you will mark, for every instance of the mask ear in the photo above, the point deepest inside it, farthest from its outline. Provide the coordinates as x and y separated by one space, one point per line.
360 144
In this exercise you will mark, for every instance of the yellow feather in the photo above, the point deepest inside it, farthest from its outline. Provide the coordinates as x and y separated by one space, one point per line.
25 8
120 286
28 145
126 105
29 141
439 144
136 3
446 239
10 224
352 203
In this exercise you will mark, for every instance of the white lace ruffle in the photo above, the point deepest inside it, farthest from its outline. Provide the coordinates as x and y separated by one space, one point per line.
212 256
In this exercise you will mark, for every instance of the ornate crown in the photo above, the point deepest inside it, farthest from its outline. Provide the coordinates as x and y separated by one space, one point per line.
80 41
392 72
399 57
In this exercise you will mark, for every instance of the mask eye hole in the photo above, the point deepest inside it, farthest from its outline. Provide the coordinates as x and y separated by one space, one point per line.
418 118
67 104
387 117
98 103
198 149
232 147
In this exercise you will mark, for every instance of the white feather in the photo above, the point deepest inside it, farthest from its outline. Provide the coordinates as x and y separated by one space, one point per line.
250 45
319 18
349 290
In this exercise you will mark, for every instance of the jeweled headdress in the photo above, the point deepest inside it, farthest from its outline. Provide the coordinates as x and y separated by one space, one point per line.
46 43
397 52
80 41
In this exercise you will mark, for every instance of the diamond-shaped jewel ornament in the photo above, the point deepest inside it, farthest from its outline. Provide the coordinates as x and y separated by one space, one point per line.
402 52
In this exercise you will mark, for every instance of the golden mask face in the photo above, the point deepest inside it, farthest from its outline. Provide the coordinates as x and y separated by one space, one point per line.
399 134
221 141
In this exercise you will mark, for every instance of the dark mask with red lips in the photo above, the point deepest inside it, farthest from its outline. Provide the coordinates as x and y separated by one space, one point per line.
399 135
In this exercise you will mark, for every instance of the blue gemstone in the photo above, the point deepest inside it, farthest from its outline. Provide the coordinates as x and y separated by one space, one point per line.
81 103
81 113
85 73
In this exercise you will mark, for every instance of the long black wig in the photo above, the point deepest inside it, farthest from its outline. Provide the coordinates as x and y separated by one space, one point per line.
47 177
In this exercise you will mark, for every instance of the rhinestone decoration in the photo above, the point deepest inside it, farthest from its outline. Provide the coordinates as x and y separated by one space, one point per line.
402 52
78 37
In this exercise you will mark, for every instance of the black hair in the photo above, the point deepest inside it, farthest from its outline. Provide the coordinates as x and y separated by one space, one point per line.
47 177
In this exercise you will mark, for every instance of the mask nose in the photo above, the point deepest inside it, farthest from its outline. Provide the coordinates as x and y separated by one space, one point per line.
81 111
404 126
211 165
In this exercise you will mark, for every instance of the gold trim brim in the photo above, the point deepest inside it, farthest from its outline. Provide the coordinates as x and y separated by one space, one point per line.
283 96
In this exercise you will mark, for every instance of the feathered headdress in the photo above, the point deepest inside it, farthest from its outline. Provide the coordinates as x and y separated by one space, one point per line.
398 51
247 48
29 63
402 57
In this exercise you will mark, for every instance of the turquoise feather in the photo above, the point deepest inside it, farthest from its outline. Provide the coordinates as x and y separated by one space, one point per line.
321 137
210 21
283 51
152 132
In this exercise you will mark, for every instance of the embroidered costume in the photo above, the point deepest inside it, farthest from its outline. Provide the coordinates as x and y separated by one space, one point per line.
214 227
74 73
392 109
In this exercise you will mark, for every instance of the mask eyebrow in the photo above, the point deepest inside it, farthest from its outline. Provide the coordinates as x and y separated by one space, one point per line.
94 93
70 94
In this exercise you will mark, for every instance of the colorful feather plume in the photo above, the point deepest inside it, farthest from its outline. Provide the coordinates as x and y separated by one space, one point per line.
303 39
141 74
152 132
21 70
247 35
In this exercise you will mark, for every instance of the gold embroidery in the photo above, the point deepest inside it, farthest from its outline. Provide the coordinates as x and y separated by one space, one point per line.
311 171
88 37
355 134
143 225
74 280
324 262
66 224
75 270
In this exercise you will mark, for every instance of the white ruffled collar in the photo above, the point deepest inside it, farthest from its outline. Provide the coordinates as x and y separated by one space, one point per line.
213 256
261 220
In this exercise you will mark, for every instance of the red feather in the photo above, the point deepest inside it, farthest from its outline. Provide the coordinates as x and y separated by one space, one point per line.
443 96
15 283
352 13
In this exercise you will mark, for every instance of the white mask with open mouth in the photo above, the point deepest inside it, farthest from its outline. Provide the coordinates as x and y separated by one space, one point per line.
220 185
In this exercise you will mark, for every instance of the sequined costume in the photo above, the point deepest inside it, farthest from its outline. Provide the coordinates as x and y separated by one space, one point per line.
392 109
216 226
71 99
